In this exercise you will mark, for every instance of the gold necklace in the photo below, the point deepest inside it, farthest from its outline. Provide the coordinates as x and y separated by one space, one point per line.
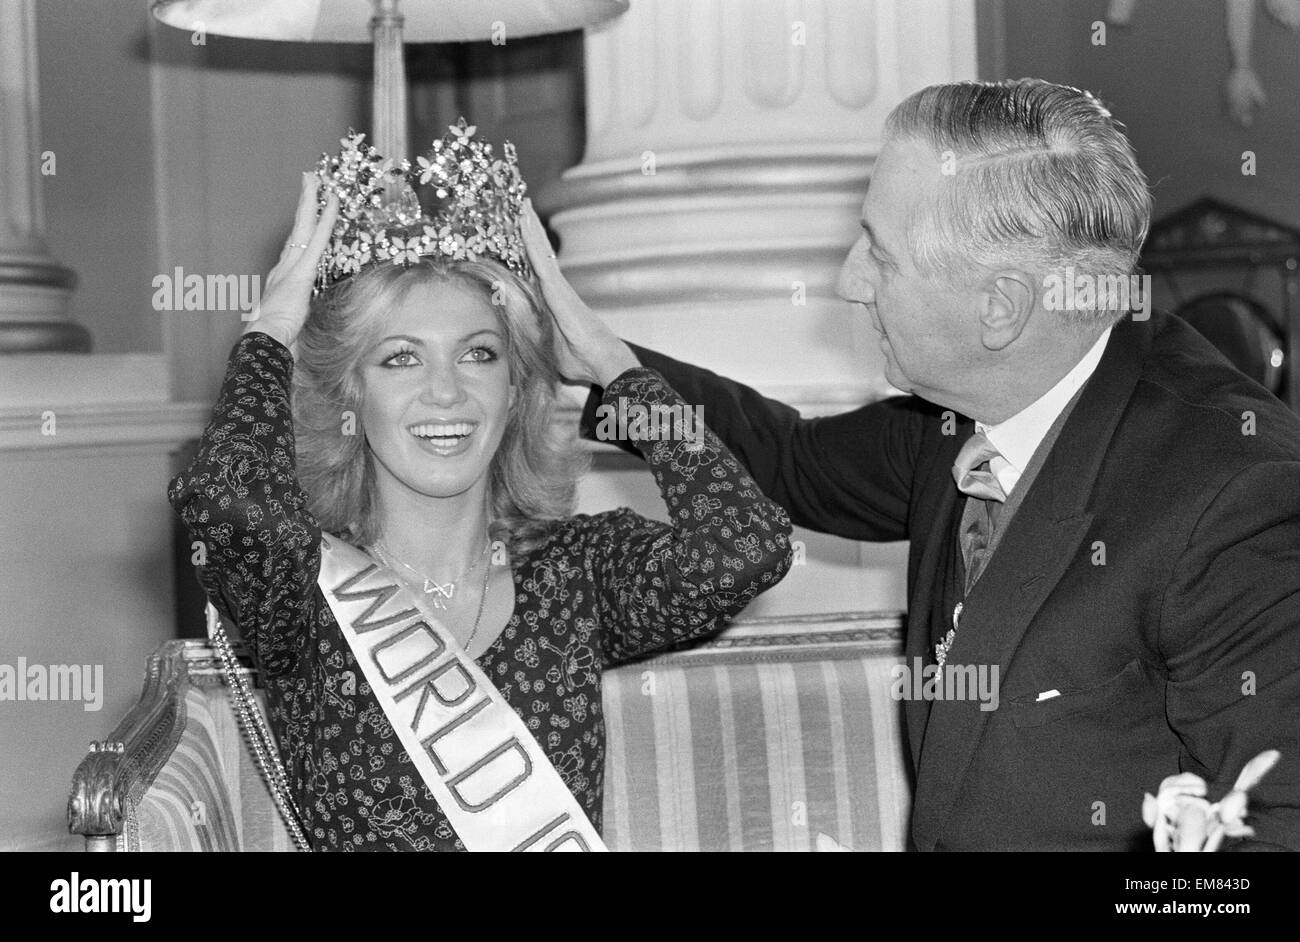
441 591
482 599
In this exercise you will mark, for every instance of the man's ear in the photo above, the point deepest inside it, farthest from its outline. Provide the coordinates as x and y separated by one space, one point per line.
1007 299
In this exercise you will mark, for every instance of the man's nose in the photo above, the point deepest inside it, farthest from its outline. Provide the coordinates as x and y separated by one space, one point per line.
854 283
442 386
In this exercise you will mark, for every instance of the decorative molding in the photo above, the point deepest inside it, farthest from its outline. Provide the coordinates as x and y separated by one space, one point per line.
890 620
773 68
728 151
40 336
85 429
106 781
1209 231
673 70
699 47
787 638
853 65
41 379
806 170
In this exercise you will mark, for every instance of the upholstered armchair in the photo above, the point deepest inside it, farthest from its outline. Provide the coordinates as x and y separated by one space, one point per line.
778 734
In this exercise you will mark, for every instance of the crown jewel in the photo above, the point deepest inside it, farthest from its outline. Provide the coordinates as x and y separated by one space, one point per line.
473 201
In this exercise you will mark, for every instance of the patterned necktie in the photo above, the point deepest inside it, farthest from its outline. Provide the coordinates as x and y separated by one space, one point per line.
975 479
975 454
985 497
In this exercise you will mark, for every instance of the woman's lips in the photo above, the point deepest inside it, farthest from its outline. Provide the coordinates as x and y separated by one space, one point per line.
444 439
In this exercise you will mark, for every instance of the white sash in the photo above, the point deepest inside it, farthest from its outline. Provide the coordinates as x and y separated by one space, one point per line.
484 768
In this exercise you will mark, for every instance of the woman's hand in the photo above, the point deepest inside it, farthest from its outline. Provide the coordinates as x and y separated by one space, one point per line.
587 351
286 298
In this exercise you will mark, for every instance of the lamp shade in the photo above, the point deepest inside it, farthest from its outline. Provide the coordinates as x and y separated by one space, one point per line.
348 21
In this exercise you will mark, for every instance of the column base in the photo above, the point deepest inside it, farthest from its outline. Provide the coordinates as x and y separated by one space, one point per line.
33 309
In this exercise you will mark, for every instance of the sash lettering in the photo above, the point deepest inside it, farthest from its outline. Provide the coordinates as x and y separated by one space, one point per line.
478 759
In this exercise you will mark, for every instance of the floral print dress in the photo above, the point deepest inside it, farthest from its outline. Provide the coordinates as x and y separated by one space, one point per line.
599 590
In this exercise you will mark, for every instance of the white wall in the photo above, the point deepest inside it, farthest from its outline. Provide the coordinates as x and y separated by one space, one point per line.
168 154
85 578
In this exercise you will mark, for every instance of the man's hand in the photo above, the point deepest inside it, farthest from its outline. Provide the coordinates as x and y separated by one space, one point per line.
586 350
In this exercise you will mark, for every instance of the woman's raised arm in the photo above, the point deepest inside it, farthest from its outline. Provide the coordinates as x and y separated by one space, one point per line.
663 584
256 545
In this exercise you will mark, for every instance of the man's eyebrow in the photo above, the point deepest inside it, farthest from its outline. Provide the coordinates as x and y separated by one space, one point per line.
873 239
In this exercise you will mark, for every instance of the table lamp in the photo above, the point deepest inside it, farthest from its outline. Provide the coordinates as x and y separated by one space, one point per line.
386 23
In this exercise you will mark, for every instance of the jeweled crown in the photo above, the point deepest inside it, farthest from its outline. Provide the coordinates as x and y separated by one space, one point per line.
470 210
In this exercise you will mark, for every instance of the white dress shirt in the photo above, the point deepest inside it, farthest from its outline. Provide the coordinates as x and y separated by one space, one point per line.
1018 437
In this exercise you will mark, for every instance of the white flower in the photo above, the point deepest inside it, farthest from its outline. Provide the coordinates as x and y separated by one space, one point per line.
1183 820
405 251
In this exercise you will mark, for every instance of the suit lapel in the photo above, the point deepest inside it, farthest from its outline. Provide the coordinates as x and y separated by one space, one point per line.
1040 542
939 495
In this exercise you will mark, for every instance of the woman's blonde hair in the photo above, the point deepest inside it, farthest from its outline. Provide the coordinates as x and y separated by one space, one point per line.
532 476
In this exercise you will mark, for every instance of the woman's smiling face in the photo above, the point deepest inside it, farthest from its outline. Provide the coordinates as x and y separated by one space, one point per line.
436 391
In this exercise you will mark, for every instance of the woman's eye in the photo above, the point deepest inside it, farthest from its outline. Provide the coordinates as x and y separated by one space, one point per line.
480 355
401 358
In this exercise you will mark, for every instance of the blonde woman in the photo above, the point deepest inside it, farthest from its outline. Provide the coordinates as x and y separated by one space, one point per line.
389 524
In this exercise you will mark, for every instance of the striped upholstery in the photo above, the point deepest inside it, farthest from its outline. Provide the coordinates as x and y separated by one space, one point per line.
209 796
762 740
753 756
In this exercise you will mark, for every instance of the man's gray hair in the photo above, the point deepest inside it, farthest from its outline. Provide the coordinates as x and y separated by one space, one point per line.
1034 174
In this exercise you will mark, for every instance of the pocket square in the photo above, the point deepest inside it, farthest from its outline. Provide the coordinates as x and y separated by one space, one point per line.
1047 695
828 844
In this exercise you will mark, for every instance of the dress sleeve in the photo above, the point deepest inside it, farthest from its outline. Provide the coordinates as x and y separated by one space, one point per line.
258 547
849 474
663 584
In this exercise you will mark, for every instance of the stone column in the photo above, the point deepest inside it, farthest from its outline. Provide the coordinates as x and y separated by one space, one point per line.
729 145
34 287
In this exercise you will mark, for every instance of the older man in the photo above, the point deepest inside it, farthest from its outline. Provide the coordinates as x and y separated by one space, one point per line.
1104 515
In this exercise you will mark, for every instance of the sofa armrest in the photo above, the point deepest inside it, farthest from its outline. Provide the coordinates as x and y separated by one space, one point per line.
778 734
118 770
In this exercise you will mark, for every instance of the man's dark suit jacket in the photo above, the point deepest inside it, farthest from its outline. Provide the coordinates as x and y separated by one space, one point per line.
1180 653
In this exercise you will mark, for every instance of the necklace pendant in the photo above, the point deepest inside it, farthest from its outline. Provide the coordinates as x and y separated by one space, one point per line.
441 592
